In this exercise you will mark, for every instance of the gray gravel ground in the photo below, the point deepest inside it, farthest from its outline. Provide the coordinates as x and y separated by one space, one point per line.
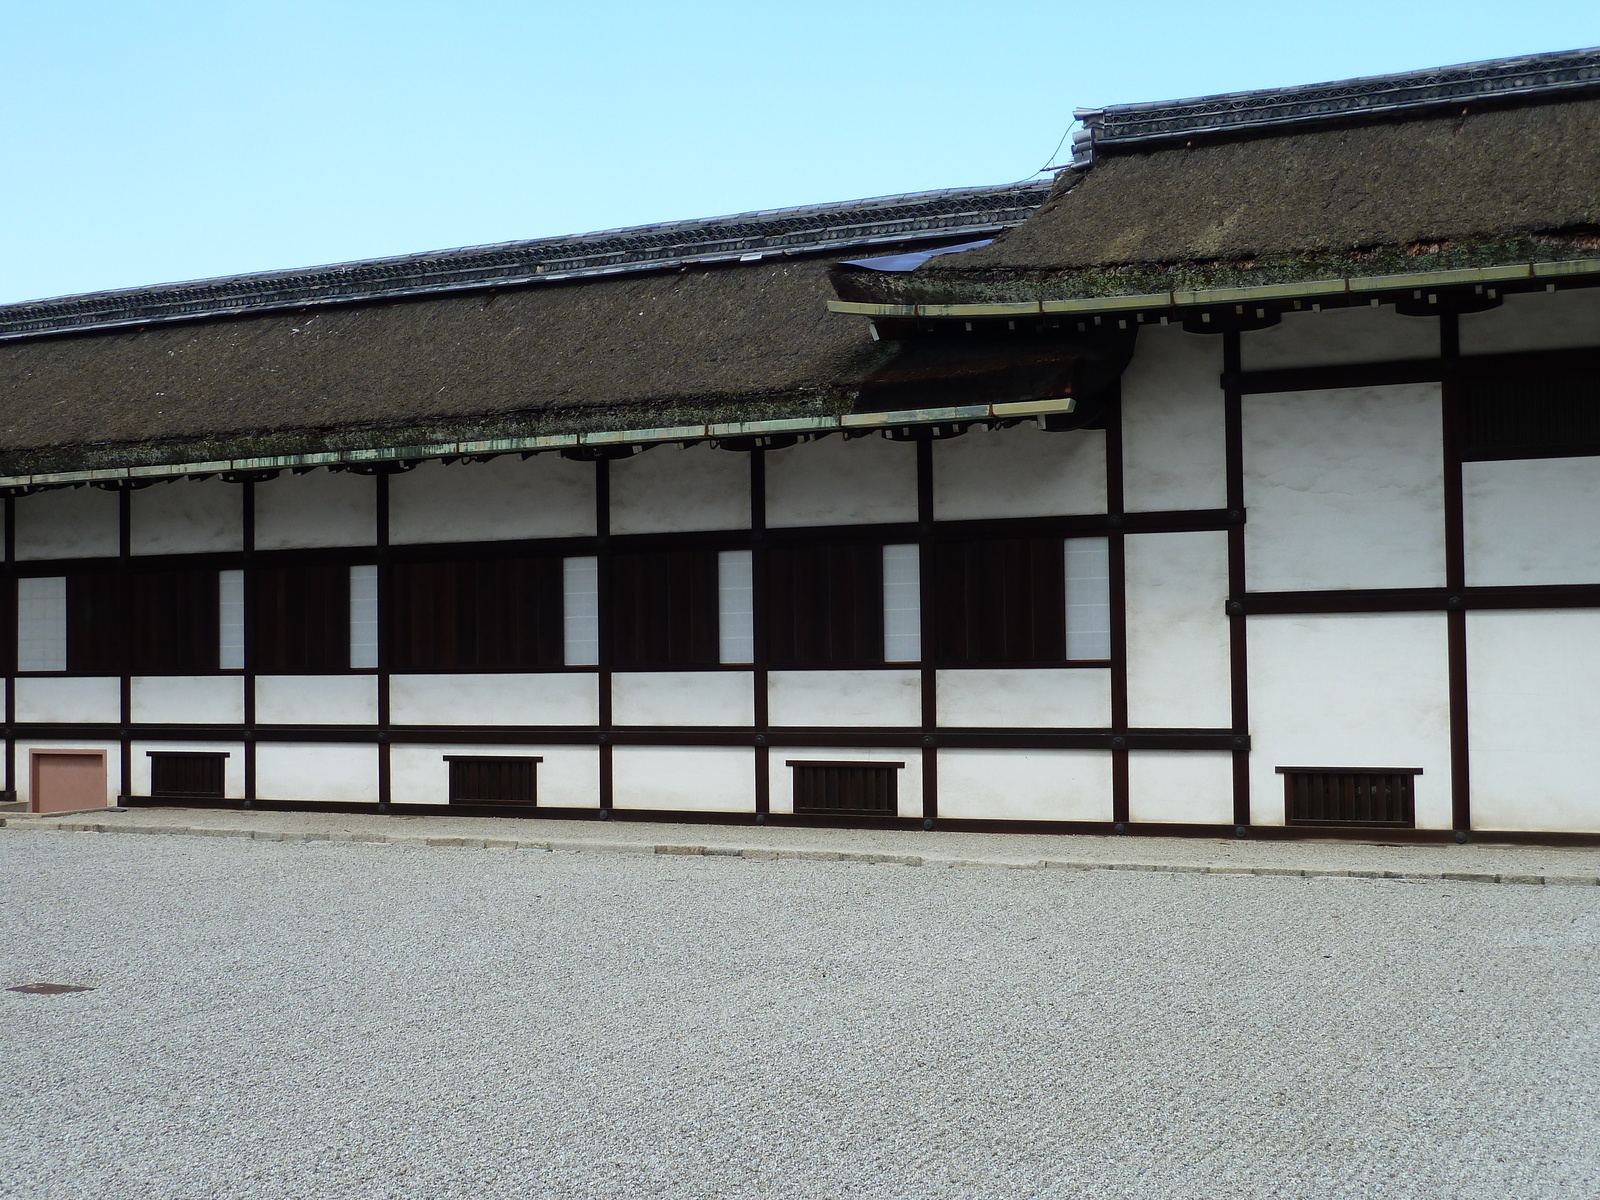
329 1019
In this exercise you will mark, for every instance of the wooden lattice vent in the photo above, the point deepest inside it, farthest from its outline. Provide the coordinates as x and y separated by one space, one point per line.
845 789
1363 796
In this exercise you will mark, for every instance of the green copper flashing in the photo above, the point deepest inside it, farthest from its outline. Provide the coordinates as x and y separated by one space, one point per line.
549 442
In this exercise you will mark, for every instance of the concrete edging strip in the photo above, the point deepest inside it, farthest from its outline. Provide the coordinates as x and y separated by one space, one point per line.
772 853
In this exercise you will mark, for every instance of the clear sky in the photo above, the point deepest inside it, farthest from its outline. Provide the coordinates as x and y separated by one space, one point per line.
155 140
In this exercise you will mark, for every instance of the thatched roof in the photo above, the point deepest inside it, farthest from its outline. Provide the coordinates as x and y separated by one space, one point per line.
1220 202
165 376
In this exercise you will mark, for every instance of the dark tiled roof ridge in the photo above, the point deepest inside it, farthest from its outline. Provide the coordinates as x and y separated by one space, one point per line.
1135 126
741 236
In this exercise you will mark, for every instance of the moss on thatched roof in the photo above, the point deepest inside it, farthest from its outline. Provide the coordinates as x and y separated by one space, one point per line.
1478 188
742 342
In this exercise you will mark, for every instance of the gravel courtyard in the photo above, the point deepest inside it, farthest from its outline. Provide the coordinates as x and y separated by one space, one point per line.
275 1020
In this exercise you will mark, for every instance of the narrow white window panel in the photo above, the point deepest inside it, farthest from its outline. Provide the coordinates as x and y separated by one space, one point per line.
1088 598
580 610
902 604
736 607
230 620
364 616
42 624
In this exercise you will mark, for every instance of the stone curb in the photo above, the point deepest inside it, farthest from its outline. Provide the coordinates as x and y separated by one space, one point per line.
771 853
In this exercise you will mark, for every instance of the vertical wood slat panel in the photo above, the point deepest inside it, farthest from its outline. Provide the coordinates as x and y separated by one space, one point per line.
664 609
846 789
826 605
187 773
174 622
301 618
477 614
1001 601
1352 797
95 604
489 780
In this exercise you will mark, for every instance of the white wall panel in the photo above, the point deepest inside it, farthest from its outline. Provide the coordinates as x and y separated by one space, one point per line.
1174 453
1344 489
908 779
1534 736
72 700
1186 787
690 778
1178 661
113 752
683 698
1025 785
316 699
1070 697
568 776
670 489
187 699
864 481
1019 472
1350 691
322 508
1565 320
504 499
1339 335
78 522
822 698
187 517
316 771
1532 520
557 698
232 766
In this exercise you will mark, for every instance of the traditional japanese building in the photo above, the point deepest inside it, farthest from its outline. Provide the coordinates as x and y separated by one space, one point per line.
1244 478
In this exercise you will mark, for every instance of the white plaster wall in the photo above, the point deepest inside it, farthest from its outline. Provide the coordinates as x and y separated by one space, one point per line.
683 698
1344 489
506 498
1025 785
556 698
908 779
670 489
864 481
187 517
186 699
113 752
1023 471
1350 691
316 771
1032 697
1186 787
1339 335
75 699
1174 451
232 766
690 778
568 776
322 508
1178 663
1532 520
67 523
1566 320
821 698
316 699
1534 734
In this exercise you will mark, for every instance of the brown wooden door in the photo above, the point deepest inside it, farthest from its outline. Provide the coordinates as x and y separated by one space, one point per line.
67 780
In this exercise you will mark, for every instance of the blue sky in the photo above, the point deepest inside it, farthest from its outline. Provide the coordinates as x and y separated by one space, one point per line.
156 140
